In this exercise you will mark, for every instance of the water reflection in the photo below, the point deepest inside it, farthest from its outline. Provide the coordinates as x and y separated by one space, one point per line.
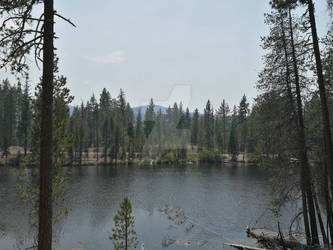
221 200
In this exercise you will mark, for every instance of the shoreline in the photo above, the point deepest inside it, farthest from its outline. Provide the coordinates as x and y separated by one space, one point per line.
17 159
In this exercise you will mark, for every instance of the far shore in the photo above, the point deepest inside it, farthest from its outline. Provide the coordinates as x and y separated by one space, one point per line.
90 158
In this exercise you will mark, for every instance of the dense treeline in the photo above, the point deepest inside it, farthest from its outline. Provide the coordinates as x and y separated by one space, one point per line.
106 129
15 117
110 127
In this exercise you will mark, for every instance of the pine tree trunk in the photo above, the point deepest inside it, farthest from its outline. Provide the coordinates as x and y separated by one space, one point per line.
306 217
320 220
305 169
290 94
322 92
328 203
291 100
126 234
45 193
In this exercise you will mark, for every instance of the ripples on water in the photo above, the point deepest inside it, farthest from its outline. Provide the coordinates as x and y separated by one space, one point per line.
221 200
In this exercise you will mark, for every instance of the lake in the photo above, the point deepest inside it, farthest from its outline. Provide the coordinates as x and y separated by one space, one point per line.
220 201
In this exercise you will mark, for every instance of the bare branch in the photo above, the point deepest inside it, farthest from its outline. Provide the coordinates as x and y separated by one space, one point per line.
66 19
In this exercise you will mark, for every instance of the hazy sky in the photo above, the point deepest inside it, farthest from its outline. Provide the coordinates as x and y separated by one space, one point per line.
147 47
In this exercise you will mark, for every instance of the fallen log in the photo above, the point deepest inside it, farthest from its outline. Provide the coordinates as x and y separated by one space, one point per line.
243 247
271 238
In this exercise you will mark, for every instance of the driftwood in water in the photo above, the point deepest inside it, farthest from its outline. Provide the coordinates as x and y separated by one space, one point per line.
167 242
271 238
243 247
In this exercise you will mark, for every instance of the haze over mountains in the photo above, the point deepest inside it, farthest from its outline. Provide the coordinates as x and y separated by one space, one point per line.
143 109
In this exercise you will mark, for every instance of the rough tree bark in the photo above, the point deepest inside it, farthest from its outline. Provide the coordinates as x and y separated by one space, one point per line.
45 195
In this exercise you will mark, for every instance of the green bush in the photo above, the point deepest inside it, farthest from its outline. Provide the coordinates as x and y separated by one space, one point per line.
145 161
207 156
192 157
253 158
167 158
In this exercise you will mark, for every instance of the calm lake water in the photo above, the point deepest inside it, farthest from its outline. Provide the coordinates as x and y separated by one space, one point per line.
220 200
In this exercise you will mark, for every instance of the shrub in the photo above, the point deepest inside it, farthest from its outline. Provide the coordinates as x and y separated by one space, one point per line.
207 156
146 161
167 158
192 157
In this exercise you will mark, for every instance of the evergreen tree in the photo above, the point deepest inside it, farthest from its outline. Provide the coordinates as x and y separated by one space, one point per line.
105 101
284 66
81 133
224 112
187 119
24 127
195 128
149 118
130 131
243 111
8 121
138 134
123 121
233 141
9 116
116 146
209 126
219 133
96 127
106 136
124 236
62 138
